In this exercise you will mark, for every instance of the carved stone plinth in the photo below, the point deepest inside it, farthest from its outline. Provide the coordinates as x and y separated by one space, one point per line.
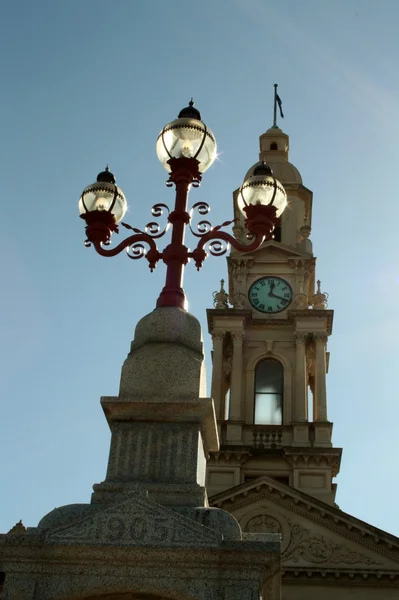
139 547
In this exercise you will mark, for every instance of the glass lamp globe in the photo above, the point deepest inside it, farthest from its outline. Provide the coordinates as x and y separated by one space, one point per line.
187 137
261 187
104 195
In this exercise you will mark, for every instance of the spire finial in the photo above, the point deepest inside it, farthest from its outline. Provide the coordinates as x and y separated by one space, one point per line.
318 287
277 101
191 103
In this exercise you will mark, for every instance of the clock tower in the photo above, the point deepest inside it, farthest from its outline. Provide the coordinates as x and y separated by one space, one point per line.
270 359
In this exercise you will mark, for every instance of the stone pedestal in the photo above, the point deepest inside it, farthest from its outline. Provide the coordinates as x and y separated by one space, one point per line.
162 425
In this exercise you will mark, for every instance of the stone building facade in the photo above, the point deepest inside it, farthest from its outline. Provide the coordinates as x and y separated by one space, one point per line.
276 464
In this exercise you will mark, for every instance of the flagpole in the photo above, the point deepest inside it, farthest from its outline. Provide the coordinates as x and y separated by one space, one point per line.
275 106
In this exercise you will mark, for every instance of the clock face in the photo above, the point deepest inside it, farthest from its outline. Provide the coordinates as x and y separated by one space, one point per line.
270 294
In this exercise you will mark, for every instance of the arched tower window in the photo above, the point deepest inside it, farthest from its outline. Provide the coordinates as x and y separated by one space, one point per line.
273 146
269 382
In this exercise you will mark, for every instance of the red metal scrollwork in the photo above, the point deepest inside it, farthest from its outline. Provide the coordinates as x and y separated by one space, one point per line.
100 225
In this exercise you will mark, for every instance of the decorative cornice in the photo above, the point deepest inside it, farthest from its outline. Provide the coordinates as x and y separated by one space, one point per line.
293 316
296 457
227 456
242 314
242 263
330 456
348 577
299 265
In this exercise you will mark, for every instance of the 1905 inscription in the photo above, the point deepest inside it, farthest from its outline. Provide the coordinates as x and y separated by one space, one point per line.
137 529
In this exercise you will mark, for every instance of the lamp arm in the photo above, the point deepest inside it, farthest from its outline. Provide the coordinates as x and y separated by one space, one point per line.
218 243
134 247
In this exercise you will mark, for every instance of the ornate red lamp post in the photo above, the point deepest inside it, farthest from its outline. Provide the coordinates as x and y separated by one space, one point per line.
186 148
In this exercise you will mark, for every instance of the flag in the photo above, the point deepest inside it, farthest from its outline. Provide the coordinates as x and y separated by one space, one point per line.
278 100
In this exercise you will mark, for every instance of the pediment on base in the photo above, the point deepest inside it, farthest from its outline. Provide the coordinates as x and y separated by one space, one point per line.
134 522
315 535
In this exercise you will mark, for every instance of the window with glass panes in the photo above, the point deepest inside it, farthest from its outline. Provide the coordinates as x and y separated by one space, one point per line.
269 380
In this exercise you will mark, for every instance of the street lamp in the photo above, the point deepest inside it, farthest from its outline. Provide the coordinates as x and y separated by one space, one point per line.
186 148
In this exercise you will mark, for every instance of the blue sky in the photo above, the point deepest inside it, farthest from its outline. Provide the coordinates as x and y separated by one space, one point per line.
91 82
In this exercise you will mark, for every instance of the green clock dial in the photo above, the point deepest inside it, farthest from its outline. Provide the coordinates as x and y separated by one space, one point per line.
270 294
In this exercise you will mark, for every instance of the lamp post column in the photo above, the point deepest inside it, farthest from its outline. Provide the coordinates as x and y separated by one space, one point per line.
175 256
320 408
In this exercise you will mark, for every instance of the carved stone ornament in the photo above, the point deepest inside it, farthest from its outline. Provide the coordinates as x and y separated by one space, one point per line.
305 229
135 522
264 524
239 271
239 300
320 337
296 264
226 367
239 232
301 299
17 529
300 338
237 336
218 336
318 549
320 298
220 298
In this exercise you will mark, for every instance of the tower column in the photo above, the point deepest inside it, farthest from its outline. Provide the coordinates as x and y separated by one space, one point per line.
320 404
236 376
217 372
301 409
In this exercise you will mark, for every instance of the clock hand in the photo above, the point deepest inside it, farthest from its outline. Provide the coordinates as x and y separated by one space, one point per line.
279 297
272 286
